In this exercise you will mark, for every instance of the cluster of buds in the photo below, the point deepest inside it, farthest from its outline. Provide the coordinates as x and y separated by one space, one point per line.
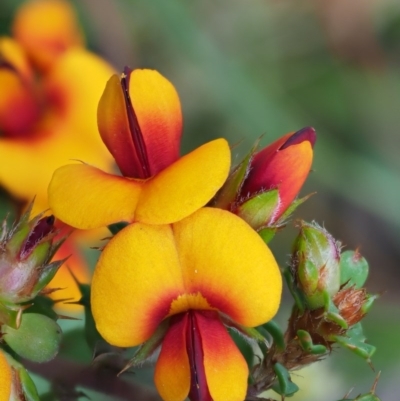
330 302
263 187
328 289
26 250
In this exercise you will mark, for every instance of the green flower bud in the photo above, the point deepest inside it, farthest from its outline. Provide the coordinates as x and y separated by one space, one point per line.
315 265
37 338
25 253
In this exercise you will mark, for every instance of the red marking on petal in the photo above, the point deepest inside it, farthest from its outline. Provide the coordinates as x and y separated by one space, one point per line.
134 127
198 382
305 134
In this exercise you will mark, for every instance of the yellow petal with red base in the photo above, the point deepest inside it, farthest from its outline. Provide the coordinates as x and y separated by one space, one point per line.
147 273
46 28
186 185
137 277
85 197
225 367
68 130
172 372
74 87
228 263
5 378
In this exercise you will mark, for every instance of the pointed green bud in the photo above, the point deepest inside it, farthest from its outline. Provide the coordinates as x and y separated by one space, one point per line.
25 254
37 338
353 269
315 264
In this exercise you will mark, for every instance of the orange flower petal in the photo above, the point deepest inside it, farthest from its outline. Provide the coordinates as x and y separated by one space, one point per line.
186 185
5 378
227 262
113 126
172 372
158 110
137 277
225 367
46 28
291 167
86 197
64 279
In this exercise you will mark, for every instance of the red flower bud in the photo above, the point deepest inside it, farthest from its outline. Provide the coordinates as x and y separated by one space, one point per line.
284 165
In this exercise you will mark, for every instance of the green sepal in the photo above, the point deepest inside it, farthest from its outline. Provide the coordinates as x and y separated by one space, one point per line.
307 344
117 227
29 391
293 206
284 386
360 348
296 294
267 233
10 315
353 269
368 303
276 333
46 275
230 190
147 349
258 210
332 312
308 276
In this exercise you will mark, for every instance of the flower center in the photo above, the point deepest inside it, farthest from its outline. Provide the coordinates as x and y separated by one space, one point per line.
186 302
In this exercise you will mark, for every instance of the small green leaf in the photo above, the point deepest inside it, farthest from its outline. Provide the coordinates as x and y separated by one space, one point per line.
285 386
307 344
276 333
353 269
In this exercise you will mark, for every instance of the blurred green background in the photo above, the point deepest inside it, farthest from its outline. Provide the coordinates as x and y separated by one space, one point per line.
266 67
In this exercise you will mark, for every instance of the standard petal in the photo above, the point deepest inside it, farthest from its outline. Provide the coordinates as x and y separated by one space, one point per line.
74 86
158 111
225 367
18 107
5 378
228 263
86 197
114 129
172 372
46 28
186 185
137 277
